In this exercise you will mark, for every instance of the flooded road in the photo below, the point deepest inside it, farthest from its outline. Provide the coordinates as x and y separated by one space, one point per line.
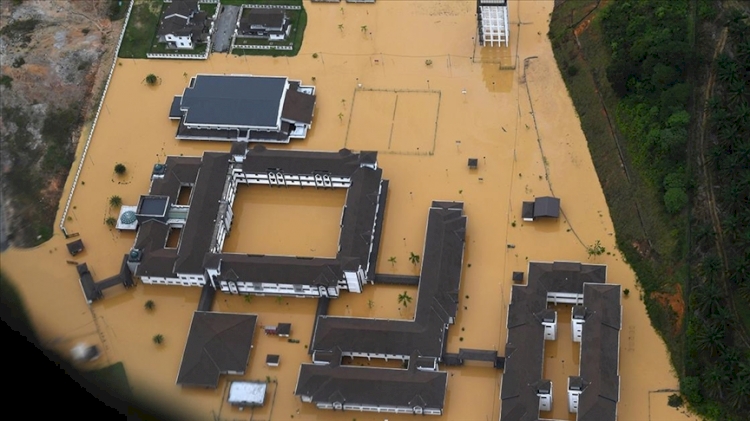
376 90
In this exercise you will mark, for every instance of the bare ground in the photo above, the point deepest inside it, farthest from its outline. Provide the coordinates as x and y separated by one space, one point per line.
54 55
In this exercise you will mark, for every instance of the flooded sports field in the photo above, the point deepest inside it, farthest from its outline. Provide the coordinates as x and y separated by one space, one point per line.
404 78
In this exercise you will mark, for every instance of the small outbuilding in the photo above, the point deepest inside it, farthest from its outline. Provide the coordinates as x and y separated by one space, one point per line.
272 360
252 394
541 207
75 247
517 277
473 163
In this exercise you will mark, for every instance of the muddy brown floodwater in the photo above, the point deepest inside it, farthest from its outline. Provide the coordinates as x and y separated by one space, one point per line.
426 120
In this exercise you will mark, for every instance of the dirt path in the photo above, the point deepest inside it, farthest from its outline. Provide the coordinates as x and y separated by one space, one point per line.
708 182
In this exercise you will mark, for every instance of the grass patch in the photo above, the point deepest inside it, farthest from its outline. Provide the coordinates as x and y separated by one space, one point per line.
113 379
209 8
141 30
6 81
298 21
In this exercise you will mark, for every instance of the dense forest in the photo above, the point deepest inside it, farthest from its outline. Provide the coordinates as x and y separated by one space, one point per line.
673 78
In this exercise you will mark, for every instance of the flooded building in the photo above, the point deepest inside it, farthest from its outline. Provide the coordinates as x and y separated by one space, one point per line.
217 343
420 343
596 320
270 109
492 22
183 26
268 24
197 258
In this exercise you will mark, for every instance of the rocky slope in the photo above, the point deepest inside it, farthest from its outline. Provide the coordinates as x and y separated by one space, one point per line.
54 58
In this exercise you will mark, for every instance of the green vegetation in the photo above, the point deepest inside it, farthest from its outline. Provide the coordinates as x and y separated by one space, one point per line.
115 201
413 258
370 304
596 249
20 30
657 56
6 81
404 299
144 20
117 9
113 379
149 305
209 8
392 260
298 20
120 169
111 221
158 339
151 79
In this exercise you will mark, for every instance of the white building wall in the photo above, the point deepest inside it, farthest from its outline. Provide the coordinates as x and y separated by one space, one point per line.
573 396
564 298
545 401
550 330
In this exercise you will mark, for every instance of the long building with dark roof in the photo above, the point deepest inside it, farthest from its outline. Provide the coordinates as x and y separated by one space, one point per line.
206 220
420 389
247 108
524 391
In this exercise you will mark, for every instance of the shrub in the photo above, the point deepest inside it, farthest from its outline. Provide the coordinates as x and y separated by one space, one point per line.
115 201
152 79
674 400
675 199
158 339
572 70
110 221
120 169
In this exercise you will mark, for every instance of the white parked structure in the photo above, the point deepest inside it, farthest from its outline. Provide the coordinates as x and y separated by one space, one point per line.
251 394
492 22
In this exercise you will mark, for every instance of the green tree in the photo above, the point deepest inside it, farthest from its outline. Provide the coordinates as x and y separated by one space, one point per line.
149 305
404 299
596 249
120 169
152 79
158 339
115 201
675 200
739 390
392 260
710 338
370 304
413 258
715 378
248 298
363 28
110 221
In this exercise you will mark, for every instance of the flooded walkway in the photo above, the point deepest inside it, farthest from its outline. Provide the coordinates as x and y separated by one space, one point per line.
413 86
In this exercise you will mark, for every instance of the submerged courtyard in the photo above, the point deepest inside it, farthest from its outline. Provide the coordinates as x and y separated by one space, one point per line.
416 88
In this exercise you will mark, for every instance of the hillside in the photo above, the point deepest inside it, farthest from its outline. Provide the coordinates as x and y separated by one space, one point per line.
55 56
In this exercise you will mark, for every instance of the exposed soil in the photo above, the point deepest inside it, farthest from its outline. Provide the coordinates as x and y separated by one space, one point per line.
50 54
674 301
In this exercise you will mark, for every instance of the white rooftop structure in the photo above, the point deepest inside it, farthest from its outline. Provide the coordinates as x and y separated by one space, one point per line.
492 16
126 220
247 393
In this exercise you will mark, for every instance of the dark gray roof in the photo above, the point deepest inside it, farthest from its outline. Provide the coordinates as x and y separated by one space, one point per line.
194 25
566 276
359 215
437 298
75 247
197 234
157 263
217 343
90 290
265 18
261 159
372 386
600 348
152 235
234 100
151 205
174 109
298 106
546 207
180 170
275 269
524 350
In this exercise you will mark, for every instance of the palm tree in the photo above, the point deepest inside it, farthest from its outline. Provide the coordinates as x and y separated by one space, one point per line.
341 27
152 79
370 304
110 221
404 299
739 390
341 116
248 299
413 258
708 298
115 201
364 29
158 339
120 169
710 338
392 259
149 305
715 378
